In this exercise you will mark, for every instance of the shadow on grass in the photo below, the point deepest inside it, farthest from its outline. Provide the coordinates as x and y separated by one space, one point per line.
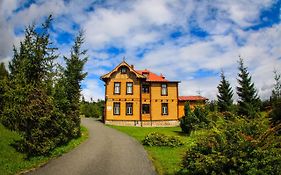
96 119
180 133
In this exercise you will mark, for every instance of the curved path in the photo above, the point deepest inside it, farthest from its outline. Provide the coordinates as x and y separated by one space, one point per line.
106 152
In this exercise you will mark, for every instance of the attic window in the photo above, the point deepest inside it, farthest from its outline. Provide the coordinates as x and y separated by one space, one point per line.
145 74
123 70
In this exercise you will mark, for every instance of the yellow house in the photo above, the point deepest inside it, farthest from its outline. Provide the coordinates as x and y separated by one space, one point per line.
192 100
140 98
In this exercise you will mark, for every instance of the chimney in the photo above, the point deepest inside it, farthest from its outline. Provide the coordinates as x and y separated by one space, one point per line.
132 66
161 75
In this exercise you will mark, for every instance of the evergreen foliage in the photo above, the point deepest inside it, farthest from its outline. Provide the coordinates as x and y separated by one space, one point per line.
92 109
213 105
187 120
73 76
3 84
225 95
193 120
237 147
3 71
41 103
159 139
275 99
249 102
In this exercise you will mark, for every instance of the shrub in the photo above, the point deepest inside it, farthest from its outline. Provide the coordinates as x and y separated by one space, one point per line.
201 114
194 119
228 115
275 113
187 122
242 147
159 139
92 109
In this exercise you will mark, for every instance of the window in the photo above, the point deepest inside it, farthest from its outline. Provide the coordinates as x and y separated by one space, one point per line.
145 108
116 108
123 70
164 89
129 108
145 74
145 88
117 87
129 88
164 108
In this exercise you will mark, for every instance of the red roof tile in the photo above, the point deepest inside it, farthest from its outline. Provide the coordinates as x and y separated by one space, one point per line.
191 98
152 76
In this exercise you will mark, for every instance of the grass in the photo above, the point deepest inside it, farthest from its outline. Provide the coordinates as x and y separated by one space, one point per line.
165 159
13 162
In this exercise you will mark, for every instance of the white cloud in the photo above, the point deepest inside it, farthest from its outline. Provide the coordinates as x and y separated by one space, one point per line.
93 90
145 26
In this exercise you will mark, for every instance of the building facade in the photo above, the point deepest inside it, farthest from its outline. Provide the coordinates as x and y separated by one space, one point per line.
192 100
140 98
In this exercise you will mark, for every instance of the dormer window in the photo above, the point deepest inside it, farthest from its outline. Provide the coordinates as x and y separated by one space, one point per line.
145 74
164 90
123 70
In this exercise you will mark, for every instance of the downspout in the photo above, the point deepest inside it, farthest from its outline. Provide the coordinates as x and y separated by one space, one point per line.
178 101
141 102
105 103
150 104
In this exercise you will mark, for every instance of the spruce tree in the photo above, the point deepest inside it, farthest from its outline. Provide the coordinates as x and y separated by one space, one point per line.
225 95
275 99
248 102
73 76
29 108
3 85
3 71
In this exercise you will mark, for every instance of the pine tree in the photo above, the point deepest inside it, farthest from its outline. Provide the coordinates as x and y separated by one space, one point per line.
275 99
276 92
248 102
225 95
73 76
29 108
3 83
3 71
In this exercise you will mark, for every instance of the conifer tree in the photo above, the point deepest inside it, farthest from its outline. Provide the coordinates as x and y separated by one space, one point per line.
225 95
3 71
275 99
248 102
28 106
3 83
73 76
276 92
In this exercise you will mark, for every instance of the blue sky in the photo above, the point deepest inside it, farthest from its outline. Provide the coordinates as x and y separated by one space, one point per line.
186 40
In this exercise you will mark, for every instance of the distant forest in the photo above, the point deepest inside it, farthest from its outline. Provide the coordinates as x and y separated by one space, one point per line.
92 108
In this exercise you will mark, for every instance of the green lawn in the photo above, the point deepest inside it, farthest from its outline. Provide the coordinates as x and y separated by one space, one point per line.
12 162
165 159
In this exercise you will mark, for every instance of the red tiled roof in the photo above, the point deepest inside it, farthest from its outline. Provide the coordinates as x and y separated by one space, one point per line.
191 98
152 76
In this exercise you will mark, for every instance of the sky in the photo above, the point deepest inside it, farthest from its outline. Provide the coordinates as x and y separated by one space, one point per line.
186 40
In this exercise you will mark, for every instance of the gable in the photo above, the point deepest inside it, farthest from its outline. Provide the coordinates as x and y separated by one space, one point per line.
118 69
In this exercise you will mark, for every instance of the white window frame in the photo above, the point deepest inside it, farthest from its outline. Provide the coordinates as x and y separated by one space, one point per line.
129 108
129 89
165 108
164 89
116 108
117 89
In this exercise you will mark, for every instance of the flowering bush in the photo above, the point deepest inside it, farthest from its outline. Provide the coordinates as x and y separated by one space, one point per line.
240 147
159 139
